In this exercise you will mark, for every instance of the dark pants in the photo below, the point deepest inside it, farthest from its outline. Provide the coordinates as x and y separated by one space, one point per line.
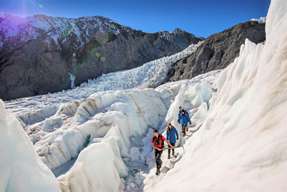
158 161
184 129
169 149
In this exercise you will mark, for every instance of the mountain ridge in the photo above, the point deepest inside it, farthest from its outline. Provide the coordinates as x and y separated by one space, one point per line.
38 54
218 50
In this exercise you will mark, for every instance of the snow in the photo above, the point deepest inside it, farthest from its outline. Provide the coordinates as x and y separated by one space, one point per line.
242 143
260 20
21 168
23 29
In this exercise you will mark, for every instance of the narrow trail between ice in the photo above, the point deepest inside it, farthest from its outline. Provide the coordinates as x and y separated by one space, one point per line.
142 171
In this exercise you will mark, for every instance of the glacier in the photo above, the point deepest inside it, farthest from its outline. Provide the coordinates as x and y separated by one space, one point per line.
112 118
150 74
103 131
242 144
21 168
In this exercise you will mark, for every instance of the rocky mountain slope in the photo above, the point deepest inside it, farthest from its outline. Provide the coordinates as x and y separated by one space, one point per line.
218 50
42 54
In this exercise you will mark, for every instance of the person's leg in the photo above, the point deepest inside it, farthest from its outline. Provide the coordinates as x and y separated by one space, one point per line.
158 161
159 157
156 157
183 130
168 156
173 144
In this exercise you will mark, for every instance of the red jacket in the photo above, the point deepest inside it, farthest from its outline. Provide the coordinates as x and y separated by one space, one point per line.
158 142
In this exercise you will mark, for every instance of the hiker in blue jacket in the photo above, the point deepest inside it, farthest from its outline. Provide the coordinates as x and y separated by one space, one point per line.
171 136
183 120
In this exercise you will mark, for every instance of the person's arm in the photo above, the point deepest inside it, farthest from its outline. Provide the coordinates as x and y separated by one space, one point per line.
159 149
167 135
168 143
176 134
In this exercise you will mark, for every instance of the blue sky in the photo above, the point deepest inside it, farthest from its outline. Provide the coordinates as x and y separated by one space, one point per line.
201 17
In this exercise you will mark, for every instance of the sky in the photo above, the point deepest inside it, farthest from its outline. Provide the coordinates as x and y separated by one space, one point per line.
200 17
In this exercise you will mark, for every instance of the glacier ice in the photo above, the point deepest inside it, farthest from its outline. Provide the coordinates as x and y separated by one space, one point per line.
112 118
21 168
242 144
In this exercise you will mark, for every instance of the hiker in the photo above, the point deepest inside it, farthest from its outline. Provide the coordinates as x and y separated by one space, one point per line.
171 136
183 120
188 120
158 145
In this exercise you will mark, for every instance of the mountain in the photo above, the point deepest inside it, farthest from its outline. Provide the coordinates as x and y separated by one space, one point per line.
102 141
218 50
150 74
42 54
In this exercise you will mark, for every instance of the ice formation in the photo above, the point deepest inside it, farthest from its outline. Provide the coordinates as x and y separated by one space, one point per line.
21 168
242 144
112 118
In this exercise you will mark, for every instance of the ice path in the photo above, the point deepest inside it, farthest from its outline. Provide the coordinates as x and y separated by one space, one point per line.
194 95
142 171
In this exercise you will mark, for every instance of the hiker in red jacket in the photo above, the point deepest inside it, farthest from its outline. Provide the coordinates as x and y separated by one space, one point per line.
158 145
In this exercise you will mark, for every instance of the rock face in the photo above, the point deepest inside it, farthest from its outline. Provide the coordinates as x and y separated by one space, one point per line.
218 50
42 54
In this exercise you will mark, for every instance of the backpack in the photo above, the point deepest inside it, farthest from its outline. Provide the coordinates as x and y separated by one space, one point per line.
158 141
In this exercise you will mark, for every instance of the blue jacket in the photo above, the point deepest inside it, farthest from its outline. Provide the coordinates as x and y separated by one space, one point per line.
183 119
172 135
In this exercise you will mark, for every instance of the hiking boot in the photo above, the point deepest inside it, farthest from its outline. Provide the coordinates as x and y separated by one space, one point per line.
168 157
157 171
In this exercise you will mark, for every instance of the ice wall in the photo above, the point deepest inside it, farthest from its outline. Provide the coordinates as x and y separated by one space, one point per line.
20 167
242 145
112 113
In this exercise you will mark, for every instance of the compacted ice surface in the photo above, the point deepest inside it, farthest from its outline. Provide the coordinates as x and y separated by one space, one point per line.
101 142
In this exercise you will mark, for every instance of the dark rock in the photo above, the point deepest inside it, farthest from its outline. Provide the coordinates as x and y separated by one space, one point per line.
217 51
38 53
